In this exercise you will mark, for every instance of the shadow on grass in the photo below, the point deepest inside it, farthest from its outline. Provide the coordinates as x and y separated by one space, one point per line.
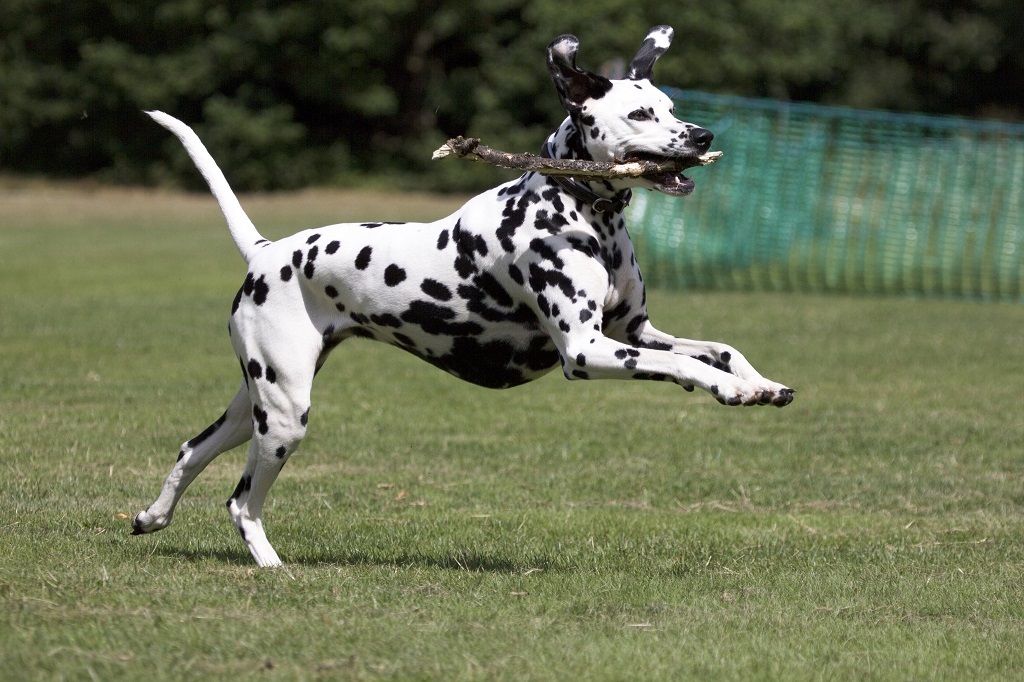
463 561
224 556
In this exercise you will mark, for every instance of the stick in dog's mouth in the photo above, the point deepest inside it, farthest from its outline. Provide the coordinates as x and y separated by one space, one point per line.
663 171
668 176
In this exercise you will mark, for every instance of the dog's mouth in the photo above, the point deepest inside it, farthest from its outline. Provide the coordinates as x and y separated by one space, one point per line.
670 180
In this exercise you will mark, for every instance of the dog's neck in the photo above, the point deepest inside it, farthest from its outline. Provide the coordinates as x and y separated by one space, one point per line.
569 142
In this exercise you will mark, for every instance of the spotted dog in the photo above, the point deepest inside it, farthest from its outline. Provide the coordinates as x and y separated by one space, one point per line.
534 274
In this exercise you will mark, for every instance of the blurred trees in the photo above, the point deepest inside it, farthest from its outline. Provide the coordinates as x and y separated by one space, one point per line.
315 91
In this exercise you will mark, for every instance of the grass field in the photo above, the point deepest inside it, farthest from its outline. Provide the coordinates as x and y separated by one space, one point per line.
433 530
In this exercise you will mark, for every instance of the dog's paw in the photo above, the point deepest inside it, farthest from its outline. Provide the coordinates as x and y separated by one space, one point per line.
746 393
145 522
778 397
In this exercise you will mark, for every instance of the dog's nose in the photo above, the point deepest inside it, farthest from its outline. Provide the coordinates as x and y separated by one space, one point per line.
701 139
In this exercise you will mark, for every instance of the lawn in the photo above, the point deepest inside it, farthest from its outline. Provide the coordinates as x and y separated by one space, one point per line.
874 529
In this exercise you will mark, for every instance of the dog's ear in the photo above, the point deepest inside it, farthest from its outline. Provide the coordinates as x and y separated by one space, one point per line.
574 85
657 41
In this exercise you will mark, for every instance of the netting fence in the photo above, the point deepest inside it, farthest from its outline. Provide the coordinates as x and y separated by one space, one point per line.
814 198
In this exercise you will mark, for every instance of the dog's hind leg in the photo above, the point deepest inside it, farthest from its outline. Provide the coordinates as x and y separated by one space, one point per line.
232 429
278 434
280 413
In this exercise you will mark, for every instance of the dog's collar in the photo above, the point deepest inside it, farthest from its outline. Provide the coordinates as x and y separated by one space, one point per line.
580 191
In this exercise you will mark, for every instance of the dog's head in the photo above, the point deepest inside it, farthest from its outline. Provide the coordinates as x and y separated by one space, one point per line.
628 119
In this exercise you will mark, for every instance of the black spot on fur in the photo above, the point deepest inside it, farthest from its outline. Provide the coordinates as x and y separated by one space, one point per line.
394 275
468 244
271 375
435 289
281 452
257 288
436 319
464 266
309 270
656 376
616 313
540 279
297 259
495 364
260 416
304 419
286 273
656 345
554 197
313 238
490 285
442 240
549 223
513 217
331 291
386 320
209 431
545 307
332 248
363 259
255 369
542 249
244 485
260 291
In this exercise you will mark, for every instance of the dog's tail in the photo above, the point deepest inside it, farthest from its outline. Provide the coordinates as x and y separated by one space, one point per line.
247 237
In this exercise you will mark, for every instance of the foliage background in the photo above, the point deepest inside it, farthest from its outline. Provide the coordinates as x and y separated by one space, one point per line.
288 94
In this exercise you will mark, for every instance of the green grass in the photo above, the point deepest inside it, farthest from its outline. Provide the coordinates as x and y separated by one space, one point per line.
434 530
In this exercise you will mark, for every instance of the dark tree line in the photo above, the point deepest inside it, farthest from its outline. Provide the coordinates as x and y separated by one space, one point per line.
320 91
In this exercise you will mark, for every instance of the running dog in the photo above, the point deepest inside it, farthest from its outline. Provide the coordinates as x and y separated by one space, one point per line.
534 274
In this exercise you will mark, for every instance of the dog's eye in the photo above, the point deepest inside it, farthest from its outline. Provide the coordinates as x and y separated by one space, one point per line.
640 115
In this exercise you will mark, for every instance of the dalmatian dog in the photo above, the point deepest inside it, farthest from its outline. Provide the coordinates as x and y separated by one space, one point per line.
535 274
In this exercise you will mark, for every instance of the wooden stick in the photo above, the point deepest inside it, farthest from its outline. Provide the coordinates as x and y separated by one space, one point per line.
470 148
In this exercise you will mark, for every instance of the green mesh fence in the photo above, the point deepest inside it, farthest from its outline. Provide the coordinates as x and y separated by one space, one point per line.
812 198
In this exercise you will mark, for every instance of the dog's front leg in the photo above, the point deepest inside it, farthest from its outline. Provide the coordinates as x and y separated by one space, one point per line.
599 357
718 355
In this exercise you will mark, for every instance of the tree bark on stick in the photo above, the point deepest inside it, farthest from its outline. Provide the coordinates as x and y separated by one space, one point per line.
471 148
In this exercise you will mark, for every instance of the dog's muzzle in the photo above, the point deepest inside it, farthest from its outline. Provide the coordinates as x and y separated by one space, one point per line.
671 182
